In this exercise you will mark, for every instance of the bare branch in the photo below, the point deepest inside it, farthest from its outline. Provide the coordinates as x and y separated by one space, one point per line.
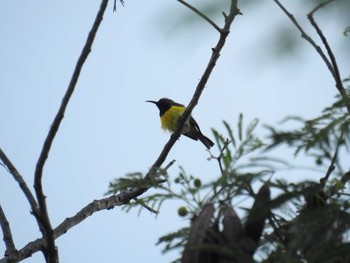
331 167
125 196
200 87
115 5
336 75
46 228
331 61
206 18
22 184
307 37
93 207
321 5
6 230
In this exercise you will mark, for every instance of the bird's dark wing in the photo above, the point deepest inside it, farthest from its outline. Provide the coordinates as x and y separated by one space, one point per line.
194 124
195 133
193 130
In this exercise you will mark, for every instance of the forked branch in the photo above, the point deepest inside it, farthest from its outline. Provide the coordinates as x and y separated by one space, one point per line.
224 32
329 61
49 234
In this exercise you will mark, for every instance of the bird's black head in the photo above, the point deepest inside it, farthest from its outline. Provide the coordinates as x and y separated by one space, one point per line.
163 104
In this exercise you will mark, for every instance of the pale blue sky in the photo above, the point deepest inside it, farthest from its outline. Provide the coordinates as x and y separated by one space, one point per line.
108 130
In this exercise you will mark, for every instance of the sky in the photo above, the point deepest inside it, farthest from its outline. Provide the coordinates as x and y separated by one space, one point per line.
144 51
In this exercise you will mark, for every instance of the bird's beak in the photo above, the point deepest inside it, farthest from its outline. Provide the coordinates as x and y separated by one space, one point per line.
151 101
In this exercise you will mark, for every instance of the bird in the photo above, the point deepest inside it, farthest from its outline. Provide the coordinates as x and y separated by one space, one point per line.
170 112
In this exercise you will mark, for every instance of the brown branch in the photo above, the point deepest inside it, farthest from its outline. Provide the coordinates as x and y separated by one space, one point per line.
115 5
93 207
307 38
331 61
22 184
321 5
206 18
200 87
6 230
331 167
336 75
45 225
125 196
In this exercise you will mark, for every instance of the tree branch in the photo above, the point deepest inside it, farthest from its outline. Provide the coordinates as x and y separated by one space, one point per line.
206 18
330 63
336 75
200 87
93 207
331 167
125 196
115 5
45 225
307 37
6 230
22 184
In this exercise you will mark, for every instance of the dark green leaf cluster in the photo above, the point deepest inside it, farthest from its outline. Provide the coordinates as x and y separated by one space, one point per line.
229 221
233 184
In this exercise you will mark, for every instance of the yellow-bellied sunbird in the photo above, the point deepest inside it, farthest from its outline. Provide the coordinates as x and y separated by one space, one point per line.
170 112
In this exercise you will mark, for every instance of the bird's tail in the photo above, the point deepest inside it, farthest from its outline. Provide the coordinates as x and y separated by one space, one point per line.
206 141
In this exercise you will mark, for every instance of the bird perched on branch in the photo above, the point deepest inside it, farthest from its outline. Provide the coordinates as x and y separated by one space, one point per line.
170 112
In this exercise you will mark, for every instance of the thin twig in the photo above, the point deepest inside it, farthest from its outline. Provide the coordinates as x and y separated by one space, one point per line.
331 167
146 206
227 142
164 171
45 224
22 184
115 5
216 193
206 18
169 165
154 172
319 6
336 75
331 61
6 230
307 37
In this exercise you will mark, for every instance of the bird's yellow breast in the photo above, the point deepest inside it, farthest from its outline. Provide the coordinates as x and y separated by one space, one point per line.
170 117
